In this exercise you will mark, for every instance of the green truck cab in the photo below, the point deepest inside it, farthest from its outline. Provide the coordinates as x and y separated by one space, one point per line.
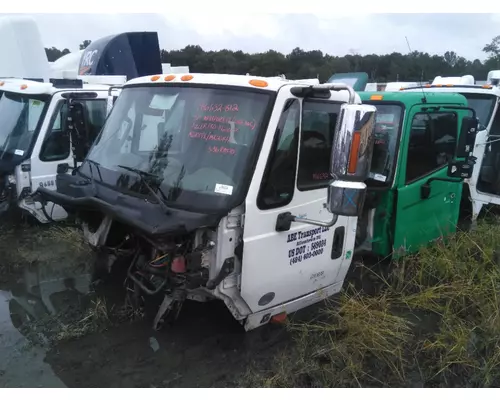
422 154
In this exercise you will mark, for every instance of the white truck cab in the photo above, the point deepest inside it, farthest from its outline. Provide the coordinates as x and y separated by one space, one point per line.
36 140
484 185
238 188
50 117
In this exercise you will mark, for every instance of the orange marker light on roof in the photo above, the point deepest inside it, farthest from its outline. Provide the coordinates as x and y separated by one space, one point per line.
186 78
353 156
169 78
450 85
24 87
486 86
258 83
155 78
2 83
376 97
428 85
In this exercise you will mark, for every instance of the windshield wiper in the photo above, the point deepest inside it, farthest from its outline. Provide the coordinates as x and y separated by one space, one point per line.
98 166
141 175
92 181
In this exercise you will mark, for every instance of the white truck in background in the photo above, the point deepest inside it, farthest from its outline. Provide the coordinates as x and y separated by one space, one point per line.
38 139
484 98
71 62
49 116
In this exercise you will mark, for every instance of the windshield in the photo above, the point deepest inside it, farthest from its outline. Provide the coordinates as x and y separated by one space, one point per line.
387 128
19 117
483 104
196 140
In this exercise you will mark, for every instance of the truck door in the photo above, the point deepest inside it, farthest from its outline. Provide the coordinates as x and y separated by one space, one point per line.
428 201
53 146
292 174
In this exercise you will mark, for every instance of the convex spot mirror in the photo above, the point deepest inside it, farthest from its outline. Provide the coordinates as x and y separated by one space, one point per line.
351 158
346 198
461 168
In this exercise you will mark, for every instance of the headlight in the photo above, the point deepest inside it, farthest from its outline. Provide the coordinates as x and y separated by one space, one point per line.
11 179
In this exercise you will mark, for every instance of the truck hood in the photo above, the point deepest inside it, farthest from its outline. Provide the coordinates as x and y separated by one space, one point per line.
75 194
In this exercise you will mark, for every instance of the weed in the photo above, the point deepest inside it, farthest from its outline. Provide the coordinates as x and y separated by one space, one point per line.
432 319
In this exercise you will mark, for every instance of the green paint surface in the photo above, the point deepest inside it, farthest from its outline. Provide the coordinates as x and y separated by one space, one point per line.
403 221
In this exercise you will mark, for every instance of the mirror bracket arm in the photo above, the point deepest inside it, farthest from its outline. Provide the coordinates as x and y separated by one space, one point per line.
284 221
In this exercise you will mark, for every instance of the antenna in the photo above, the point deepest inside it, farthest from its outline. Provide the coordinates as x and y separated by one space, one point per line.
424 99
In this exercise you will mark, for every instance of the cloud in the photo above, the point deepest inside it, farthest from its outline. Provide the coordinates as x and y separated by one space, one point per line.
465 34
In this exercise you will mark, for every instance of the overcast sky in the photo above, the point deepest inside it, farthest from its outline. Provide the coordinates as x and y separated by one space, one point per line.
465 34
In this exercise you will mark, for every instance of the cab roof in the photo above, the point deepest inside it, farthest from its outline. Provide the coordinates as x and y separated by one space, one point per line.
30 87
266 83
414 97
271 84
482 89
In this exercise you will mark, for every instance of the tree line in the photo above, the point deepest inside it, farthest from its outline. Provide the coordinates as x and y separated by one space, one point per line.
299 63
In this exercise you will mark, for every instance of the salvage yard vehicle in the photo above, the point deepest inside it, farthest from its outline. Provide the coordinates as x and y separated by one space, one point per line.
212 186
483 187
421 156
36 142
49 122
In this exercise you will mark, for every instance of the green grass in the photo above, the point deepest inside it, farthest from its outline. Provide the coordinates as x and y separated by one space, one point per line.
24 246
433 320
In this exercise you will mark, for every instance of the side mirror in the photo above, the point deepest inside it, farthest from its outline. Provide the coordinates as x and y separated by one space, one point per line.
463 168
351 159
77 127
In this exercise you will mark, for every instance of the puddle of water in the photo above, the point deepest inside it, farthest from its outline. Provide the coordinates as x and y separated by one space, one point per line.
20 365
41 294
205 347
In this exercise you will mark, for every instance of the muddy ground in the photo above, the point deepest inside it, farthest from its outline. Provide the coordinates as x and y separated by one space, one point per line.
57 329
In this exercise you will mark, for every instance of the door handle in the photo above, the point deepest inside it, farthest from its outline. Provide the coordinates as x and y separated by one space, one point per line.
425 189
338 242
62 168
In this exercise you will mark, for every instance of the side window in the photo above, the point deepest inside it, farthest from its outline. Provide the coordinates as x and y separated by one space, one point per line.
318 127
56 145
433 140
278 183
